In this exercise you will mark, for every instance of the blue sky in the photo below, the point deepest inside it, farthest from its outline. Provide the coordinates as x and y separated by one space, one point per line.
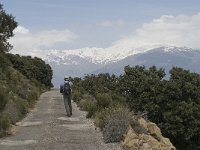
96 23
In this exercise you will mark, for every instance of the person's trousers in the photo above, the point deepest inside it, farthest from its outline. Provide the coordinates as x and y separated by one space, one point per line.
68 105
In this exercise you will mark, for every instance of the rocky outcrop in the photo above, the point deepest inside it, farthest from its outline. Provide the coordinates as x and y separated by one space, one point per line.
151 140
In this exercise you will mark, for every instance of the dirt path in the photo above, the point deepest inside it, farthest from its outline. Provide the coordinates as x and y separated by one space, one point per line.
48 128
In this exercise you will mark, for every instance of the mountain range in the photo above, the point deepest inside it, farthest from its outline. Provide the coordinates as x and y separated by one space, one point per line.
84 61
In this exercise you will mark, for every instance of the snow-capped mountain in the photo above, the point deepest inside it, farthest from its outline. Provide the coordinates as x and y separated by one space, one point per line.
175 49
162 57
93 55
97 60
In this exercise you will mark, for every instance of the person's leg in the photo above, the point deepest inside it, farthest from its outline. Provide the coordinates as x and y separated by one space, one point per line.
70 104
66 104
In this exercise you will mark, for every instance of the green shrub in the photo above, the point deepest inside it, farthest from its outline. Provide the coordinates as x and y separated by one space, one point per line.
89 105
77 96
116 124
88 97
99 120
92 108
4 124
100 117
22 106
103 100
32 68
4 62
3 98
32 96
16 108
118 99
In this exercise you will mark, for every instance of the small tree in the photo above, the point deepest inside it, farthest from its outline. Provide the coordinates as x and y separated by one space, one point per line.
7 25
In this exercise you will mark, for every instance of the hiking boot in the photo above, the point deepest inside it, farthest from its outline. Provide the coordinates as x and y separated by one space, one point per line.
68 115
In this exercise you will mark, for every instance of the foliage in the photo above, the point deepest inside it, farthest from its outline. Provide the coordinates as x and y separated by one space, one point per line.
181 114
103 100
89 104
77 96
101 117
7 25
22 107
3 98
4 124
118 99
113 121
4 62
32 68
102 83
173 104
116 124
143 89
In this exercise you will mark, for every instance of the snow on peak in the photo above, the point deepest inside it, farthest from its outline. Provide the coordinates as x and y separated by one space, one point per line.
104 55
94 55
176 49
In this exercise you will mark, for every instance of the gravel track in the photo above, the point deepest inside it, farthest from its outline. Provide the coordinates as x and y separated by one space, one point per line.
47 127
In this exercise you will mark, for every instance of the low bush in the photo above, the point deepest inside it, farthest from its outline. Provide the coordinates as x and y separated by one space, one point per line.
3 98
16 108
101 116
103 100
92 108
4 62
88 104
33 95
116 124
22 106
118 99
4 124
77 96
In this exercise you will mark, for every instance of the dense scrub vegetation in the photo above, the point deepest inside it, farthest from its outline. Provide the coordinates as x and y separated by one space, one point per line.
173 104
22 78
32 68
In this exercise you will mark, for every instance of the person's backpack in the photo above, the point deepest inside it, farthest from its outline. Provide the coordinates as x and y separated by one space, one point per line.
67 88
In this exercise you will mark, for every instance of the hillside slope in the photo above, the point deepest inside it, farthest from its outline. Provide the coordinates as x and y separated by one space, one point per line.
17 92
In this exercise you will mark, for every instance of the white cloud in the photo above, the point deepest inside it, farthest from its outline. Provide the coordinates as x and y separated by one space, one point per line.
21 30
26 42
178 30
181 30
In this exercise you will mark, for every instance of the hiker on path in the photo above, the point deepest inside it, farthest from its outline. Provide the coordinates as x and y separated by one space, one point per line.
66 90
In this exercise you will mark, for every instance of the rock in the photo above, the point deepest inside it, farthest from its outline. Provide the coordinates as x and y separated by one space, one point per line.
166 144
131 139
152 141
154 131
145 146
143 123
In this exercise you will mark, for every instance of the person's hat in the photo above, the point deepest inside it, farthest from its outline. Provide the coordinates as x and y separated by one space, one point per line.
66 78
